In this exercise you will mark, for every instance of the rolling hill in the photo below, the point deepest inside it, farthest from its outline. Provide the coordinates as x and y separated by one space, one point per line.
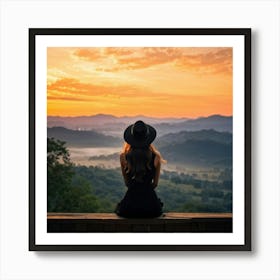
114 126
215 122
205 134
77 138
198 153
202 148
89 122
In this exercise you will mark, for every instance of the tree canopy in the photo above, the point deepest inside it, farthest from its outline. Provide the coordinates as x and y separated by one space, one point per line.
66 194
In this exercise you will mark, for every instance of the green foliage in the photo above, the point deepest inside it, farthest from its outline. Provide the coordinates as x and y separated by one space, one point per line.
106 184
66 193
81 197
179 192
184 193
93 189
59 174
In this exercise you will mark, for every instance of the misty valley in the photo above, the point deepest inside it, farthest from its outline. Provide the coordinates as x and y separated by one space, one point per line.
196 178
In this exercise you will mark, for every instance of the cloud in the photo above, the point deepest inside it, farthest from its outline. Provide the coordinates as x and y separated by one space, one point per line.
150 57
203 60
75 87
94 54
91 54
117 59
217 60
67 98
68 89
118 51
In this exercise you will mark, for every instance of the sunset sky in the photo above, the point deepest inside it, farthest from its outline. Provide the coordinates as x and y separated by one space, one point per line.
152 81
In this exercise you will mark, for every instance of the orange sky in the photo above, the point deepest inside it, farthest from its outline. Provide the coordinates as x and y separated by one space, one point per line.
159 82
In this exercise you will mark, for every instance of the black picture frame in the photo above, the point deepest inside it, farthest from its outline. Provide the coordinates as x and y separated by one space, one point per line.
245 33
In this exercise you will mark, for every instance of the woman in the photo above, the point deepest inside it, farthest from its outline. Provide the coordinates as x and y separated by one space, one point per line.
140 165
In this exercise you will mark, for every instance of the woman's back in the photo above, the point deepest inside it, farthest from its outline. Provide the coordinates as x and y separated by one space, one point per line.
140 168
140 200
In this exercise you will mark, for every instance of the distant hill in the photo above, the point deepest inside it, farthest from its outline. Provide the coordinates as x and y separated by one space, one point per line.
205 134
114 126
88 122
205 148
215 122
198 153
81 138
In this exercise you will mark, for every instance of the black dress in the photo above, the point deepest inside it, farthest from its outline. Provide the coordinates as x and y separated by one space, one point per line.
140 200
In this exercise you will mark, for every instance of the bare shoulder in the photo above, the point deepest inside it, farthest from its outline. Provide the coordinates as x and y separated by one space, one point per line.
157 160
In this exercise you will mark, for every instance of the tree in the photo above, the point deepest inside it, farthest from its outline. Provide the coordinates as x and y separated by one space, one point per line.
66 192
60 173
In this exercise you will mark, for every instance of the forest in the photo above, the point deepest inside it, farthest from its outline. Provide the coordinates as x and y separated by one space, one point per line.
76 188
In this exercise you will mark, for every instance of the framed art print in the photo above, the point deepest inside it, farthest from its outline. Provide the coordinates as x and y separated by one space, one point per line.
191 91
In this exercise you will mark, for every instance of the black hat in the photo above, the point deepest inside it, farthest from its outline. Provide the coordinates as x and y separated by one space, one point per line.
139 134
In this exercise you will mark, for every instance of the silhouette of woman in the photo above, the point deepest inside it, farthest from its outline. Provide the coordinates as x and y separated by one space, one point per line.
140 165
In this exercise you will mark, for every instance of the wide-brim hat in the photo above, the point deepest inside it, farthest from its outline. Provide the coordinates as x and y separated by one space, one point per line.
139 134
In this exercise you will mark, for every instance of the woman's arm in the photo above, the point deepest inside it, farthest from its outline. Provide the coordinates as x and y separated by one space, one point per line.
157 164
123 168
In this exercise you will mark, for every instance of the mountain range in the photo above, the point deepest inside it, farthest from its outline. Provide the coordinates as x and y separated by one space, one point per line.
83 138
101 119
196 148
114 126
199 135
203 153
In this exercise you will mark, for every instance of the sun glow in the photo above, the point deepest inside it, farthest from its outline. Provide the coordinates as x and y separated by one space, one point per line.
158 82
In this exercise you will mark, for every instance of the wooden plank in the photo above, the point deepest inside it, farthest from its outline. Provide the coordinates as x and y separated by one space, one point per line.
112 216
176 215
110 222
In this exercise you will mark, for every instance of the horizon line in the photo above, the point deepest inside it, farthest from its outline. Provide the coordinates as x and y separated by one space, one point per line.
134 116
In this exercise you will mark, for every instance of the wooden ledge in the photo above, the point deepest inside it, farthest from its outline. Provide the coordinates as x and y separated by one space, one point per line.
110 222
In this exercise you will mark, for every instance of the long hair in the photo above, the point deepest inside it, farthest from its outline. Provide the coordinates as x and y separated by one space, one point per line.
139 160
